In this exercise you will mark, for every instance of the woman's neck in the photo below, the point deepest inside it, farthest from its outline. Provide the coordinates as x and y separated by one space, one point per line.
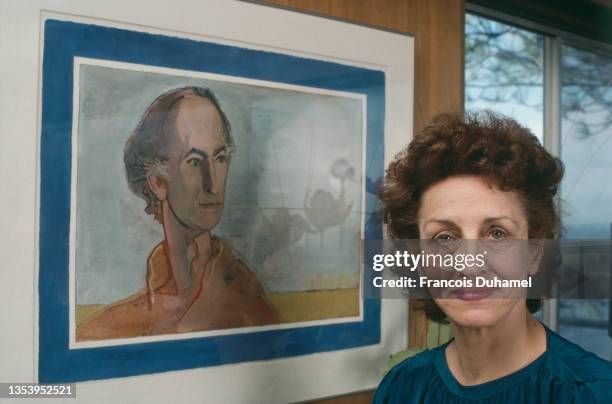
479 355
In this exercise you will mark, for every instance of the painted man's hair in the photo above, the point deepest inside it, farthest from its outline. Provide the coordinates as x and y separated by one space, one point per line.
145 152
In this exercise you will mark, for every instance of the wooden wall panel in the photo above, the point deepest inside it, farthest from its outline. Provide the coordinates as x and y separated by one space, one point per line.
438 27
439 30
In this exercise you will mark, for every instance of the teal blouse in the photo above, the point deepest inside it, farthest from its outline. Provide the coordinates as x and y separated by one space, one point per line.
565 373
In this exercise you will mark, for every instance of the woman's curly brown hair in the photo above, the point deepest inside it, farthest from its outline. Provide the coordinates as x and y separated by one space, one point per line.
485 144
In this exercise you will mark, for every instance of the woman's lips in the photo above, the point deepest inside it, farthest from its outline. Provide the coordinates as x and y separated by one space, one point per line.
472 294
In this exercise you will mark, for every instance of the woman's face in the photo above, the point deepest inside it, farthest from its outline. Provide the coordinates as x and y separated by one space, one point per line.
468 207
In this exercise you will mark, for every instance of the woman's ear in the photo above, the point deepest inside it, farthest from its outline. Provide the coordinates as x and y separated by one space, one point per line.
537 253
158 186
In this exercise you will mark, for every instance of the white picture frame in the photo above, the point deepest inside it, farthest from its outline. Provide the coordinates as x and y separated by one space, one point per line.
252 26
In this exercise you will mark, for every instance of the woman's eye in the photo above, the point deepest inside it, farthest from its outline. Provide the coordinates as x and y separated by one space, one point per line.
221 158
444 238
194 162
497 234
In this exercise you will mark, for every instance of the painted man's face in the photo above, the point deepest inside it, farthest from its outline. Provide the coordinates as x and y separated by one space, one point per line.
198 163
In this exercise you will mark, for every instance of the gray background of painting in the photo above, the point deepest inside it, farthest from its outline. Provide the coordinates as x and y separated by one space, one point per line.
289 144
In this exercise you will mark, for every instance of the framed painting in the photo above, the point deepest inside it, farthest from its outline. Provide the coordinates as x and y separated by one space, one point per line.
203 190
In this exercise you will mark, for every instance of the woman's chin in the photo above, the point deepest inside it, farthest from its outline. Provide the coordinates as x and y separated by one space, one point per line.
474 314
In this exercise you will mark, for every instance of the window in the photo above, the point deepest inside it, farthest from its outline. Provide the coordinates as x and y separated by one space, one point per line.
504 71
586 191
560 87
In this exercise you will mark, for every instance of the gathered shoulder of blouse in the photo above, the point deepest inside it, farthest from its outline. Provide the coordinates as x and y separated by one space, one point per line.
564 373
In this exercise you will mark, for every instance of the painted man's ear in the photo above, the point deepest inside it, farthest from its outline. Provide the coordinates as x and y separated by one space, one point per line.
158 186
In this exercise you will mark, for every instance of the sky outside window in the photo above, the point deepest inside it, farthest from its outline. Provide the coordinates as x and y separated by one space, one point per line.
504 71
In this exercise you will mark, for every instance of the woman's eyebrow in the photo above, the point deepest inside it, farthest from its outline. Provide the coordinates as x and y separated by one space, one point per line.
495 219
445 222
450 223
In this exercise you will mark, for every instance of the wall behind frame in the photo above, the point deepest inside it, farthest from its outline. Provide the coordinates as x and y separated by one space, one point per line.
438 27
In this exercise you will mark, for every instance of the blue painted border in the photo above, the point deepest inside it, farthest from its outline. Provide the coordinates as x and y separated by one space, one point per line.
65 40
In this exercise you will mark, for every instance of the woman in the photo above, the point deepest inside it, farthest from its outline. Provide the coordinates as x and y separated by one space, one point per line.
484 177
